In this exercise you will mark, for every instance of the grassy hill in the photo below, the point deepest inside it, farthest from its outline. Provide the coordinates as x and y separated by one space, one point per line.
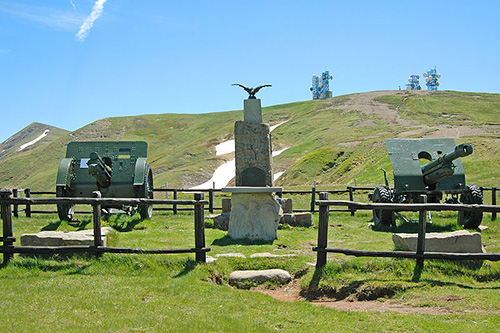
334 141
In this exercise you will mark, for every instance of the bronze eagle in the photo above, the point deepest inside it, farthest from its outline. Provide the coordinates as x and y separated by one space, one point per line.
252 91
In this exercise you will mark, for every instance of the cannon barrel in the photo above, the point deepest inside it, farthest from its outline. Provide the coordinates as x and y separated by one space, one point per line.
441 168
99 169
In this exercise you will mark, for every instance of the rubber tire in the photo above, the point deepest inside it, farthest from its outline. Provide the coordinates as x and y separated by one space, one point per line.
146 191
471 220
382 194
65 211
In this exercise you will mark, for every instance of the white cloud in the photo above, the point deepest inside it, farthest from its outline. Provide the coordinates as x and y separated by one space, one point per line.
89 21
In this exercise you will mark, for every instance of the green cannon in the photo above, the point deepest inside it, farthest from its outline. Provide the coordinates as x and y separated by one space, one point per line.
422 166
116 169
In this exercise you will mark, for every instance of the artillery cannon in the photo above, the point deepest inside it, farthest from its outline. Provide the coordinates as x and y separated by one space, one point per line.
420 166
116 169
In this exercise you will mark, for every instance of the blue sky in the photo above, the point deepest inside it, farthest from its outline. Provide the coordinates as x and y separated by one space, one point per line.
67 63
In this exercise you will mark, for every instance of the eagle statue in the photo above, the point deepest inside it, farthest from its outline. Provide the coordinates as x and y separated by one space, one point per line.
252 91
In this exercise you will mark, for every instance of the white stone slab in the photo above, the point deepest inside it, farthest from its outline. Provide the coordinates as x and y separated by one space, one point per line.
230 255
461 241
271 255
259 275
63 238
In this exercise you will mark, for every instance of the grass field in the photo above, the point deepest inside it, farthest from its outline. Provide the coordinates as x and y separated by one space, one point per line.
173 293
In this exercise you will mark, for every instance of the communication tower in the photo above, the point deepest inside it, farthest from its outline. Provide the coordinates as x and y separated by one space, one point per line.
431 79
414 83
321 85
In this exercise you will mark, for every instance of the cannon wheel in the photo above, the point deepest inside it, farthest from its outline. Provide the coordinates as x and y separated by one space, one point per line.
65 211
382 194
146 191
471 220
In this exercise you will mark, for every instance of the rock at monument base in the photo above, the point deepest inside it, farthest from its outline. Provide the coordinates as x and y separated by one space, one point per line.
63 238
461 241
303 219
254 216
297 219
226 205
287 218
286 204
259 275
222 221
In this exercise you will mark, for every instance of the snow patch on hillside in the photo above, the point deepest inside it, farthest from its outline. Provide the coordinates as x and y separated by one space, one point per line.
225 147
32 142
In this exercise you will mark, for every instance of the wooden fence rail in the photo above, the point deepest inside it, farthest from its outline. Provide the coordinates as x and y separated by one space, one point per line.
351 190
420 254
8 239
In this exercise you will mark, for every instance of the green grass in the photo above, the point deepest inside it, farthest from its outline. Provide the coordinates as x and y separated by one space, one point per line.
173 293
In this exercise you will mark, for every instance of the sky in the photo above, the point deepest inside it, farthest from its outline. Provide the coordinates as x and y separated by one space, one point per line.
67 63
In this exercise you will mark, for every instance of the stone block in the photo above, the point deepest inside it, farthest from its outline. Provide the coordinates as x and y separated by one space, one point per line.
252 110
226 205
259 275
253 154
303 219
461 241
63 238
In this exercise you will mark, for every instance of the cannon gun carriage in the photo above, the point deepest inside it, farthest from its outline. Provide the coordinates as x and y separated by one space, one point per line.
116 169
422 166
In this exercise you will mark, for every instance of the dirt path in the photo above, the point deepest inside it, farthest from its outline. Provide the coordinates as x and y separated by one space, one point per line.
366 103
292 293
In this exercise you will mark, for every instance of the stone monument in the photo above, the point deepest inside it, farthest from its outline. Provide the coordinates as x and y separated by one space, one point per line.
255 213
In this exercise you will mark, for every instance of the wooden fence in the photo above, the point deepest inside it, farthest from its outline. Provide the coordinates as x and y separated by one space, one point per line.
8 239
351 190
324 211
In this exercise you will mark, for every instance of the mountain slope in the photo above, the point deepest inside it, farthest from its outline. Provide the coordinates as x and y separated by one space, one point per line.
29 138
333 141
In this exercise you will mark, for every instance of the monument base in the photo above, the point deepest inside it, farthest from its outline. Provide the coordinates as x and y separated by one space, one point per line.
255 213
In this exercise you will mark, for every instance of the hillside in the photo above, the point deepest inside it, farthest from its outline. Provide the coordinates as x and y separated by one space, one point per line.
31 137
334 141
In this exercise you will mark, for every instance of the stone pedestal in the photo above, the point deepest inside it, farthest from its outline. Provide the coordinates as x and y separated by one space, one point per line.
255 213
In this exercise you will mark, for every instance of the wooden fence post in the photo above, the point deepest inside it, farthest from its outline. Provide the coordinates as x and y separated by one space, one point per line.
96 212
8 234
166 190
322 231
15 207
494 202
421 231
27 210
313 198
199 227
351 198
211 200
174 206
